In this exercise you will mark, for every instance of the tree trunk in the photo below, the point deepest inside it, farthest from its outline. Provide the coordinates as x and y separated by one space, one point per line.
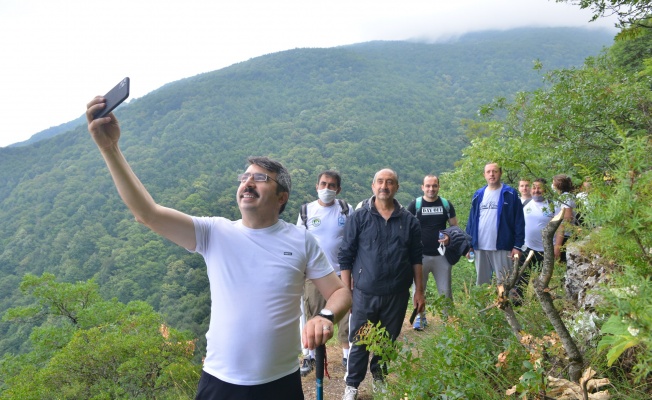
543 293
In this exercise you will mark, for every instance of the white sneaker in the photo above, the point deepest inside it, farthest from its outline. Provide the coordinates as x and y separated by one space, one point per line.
350 393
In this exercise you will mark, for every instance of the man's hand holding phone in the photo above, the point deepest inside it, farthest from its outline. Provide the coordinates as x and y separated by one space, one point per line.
113 98
106 132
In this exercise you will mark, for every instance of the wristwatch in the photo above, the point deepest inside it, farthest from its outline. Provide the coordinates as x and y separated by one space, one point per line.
326 313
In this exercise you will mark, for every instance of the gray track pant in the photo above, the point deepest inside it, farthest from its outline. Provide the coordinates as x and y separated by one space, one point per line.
441 270
489 262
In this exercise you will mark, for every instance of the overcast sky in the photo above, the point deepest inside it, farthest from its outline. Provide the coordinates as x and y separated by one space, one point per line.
57 55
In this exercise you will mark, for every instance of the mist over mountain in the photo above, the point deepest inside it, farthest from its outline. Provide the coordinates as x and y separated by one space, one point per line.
353 108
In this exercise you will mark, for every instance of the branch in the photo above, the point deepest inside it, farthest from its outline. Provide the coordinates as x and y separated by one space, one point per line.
543 293
503 302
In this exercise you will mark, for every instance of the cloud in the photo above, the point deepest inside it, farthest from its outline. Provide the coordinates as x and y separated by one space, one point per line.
58 55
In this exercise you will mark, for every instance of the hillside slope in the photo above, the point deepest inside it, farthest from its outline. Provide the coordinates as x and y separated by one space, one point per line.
354 108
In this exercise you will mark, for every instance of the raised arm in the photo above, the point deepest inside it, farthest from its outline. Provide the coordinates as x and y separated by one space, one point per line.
172 224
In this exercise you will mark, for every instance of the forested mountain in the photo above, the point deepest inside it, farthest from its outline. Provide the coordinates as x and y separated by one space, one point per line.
52 131
353 108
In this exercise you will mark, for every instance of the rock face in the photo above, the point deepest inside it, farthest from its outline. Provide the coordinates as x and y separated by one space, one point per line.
583 273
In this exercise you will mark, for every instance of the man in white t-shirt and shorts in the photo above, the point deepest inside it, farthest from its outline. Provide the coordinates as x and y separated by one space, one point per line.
496 225
325 219
258 263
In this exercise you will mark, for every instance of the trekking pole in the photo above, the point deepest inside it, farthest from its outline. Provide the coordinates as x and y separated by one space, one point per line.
320 361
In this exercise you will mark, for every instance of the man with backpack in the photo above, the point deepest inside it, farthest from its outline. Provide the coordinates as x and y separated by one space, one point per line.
325 219
433 212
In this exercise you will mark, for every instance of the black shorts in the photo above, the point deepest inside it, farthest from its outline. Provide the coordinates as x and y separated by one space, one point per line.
285 388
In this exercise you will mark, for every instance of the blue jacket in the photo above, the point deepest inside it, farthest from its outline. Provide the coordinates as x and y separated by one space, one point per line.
381 254
510 222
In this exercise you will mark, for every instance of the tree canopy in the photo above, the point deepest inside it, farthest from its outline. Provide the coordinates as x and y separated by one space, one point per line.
75 269
629 12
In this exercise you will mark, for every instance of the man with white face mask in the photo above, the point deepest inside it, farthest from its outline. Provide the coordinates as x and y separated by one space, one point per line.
325 219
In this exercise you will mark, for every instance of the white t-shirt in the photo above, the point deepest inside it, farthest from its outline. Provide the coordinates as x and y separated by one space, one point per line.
583 199
566 200
256 279
327 226
537 215
488 222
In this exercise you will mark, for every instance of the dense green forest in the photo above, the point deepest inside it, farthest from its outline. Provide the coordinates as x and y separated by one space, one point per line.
411 106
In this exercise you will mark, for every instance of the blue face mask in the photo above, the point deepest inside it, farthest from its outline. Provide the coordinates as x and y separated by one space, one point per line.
538 199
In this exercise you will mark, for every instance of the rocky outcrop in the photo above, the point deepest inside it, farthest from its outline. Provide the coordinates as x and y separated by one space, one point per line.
584 273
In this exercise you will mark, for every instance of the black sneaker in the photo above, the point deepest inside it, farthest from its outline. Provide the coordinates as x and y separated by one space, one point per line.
378 375
378 384
306 366
344 361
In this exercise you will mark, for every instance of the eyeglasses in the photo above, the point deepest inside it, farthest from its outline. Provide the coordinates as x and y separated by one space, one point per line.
258 177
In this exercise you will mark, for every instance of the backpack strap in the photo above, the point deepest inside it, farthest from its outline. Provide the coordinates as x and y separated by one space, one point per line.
447 206
344 207
445 202
363 204
304 214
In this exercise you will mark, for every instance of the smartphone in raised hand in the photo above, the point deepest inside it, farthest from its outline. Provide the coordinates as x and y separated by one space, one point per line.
114 98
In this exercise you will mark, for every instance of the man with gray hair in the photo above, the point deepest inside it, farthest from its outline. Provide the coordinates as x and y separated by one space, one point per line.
258 263
380 256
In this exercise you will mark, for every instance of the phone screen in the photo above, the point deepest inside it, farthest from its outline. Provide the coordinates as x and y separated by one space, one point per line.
114 98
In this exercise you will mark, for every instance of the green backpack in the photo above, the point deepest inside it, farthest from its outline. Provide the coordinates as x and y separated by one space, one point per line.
443 200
